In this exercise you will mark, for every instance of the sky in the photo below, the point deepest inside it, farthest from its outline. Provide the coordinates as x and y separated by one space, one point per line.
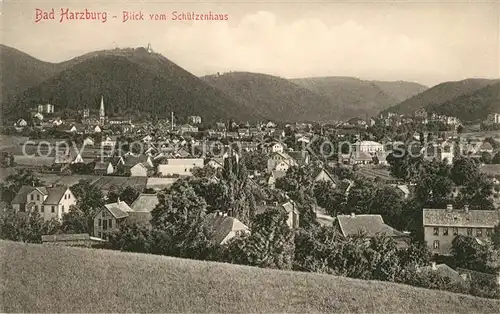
428 42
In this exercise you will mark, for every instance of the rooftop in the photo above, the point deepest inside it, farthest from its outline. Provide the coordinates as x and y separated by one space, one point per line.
460 218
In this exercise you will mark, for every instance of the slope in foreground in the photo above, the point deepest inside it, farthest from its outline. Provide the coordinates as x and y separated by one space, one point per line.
38 278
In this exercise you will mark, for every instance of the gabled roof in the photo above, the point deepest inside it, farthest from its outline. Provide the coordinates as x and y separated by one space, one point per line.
145 203
460 218
444 270
318 171
118 209
370 224
55 195
222 226
20 197
289 207
102 165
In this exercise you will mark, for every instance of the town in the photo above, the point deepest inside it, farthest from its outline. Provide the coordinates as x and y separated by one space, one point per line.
412 199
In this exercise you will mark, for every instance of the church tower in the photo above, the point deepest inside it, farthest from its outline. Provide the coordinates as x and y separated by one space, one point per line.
102 114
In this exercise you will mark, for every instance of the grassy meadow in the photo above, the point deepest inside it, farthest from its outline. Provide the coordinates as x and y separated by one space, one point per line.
41 278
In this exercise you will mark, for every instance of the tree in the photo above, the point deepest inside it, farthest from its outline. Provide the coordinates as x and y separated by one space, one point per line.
464 170
469 254
329 198
495 238
178 223
80 218
14 182
496 159
255 161
477 193
128 194
132 237
271 244
25 227
486 158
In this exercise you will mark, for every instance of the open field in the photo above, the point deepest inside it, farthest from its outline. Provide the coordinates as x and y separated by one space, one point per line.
40 278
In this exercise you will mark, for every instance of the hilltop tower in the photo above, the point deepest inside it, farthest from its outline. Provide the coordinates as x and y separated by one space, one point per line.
102 114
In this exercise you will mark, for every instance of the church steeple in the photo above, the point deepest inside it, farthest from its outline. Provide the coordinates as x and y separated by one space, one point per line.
102 114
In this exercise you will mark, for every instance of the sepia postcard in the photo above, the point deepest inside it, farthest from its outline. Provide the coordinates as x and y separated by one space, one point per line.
256 156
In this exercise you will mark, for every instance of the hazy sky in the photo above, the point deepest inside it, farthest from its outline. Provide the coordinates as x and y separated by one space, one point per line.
423 41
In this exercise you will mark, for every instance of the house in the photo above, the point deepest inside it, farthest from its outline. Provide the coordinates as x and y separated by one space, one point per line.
103 168
88 141
370 147
321 174
280 161
356 158
194 119
302 158
179 166
47 108
274 176
370 225
293 214
108 142
224 228
137 166
444 270
106 219
216 163
138 170
51 202
21 123
443 151
442 225
493 118
274 148
187 128
97 129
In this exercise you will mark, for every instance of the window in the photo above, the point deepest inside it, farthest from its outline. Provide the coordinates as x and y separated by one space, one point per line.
488 232
479 232
32 198
436 244
100 222
111 223
469 232
455 231
42 209
69 196
445 231
53 209
436 231
65 196
104 224
62 208
38 197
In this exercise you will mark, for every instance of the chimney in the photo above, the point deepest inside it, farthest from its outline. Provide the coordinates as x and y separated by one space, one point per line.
466 208
353 215
433 265
449 207
118 201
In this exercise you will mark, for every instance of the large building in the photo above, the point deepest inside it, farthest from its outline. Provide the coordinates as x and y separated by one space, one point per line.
370 147
50 202
47 108
442 225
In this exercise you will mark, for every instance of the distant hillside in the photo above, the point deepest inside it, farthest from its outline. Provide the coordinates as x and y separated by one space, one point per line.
439 94
131 80
18 71
400 90
351 96
274 97
472 107
41 278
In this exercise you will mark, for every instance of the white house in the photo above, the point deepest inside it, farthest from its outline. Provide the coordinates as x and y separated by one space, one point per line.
179 166
50 202
370 147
